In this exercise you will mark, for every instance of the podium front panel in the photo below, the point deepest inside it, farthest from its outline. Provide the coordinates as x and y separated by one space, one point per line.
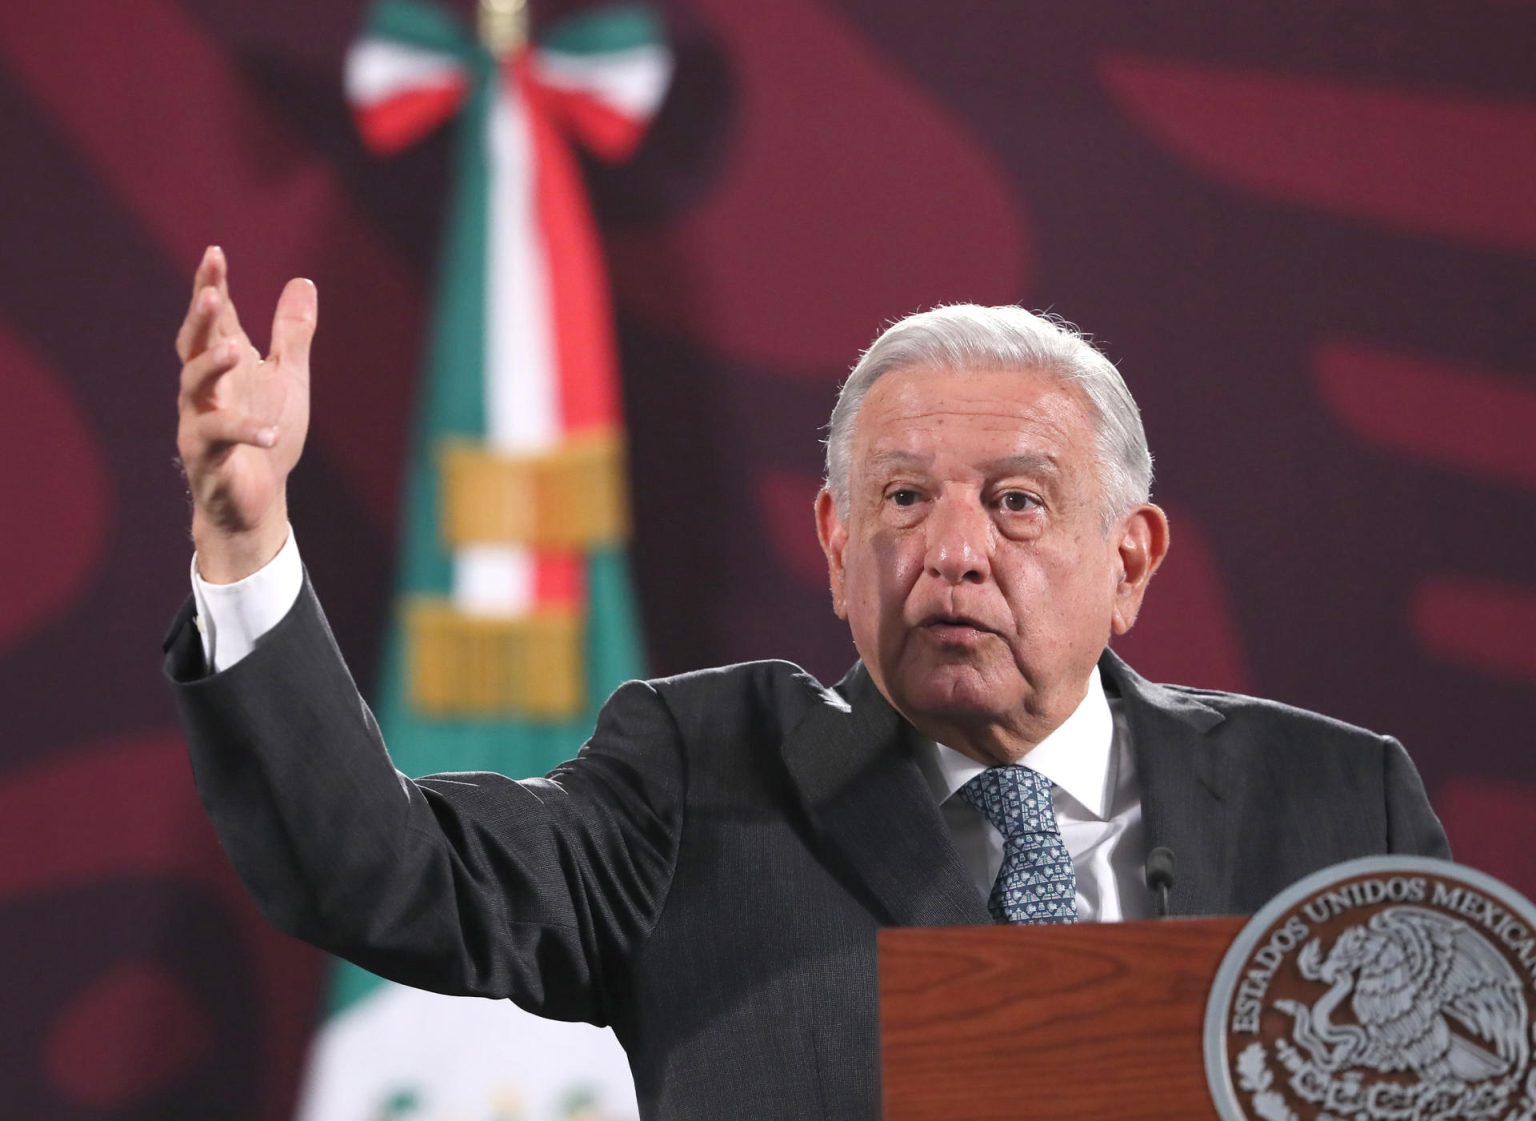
1014 1023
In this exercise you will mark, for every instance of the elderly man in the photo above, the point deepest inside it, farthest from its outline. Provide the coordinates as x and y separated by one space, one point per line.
708 875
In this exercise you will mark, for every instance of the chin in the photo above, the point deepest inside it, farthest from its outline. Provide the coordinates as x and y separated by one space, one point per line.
963 697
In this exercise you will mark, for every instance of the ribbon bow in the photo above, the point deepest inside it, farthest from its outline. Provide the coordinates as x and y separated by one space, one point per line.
597 76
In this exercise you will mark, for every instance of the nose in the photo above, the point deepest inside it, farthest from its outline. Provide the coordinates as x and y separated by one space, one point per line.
959 541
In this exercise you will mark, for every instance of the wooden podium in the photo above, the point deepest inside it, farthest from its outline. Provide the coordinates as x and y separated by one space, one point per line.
997 1023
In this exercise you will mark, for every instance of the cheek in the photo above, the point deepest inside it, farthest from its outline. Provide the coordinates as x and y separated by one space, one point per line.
1085 582
885 552
1072 578
893 565
879 578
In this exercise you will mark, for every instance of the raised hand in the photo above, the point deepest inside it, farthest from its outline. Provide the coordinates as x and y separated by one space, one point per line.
242 421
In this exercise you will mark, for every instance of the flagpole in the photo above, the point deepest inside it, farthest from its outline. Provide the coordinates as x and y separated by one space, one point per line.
503 25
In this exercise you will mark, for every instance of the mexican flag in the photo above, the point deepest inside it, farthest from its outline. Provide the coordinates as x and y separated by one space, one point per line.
513 617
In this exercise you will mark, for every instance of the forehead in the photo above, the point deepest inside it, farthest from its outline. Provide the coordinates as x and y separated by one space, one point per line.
973 414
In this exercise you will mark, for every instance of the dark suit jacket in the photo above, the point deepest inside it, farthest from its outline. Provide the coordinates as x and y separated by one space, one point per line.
709 874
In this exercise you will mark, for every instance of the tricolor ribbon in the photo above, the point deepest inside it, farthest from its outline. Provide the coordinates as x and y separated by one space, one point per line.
519 469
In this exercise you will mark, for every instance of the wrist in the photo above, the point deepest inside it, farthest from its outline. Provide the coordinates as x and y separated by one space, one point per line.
226 556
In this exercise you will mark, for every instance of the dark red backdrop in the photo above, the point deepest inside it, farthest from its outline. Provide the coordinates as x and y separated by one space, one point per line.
1305 229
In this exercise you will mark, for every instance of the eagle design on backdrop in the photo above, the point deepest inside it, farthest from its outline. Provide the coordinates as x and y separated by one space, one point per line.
1429 995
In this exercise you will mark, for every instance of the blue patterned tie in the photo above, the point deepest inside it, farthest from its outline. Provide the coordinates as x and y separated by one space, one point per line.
1036 882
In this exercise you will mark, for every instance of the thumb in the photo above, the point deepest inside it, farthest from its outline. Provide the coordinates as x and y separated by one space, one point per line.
298 309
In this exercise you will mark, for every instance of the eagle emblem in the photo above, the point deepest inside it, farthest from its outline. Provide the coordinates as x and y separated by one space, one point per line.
1390 988
1426 994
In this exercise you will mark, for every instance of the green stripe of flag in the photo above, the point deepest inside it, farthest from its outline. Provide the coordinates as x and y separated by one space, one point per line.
617 28
421 25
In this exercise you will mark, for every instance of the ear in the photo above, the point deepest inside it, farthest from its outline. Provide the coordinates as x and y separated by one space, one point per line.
833 536
1142 546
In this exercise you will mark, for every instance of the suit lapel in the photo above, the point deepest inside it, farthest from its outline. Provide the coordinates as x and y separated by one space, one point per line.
851 761
1186 787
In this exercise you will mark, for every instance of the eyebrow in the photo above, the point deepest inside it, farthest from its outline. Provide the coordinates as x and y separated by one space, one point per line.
1026 463
886 461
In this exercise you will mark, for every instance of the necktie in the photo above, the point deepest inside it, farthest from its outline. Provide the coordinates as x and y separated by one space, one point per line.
1036 882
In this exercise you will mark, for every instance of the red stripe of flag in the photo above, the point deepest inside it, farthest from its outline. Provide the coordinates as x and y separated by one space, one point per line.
394 123
609 133
579 300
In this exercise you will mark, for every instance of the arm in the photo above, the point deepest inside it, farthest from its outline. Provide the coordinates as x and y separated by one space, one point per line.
464 883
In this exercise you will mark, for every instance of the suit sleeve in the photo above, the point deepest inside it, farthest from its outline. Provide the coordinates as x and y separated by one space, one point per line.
1412 826
465 883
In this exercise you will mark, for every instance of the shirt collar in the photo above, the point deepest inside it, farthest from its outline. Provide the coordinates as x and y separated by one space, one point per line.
1076 756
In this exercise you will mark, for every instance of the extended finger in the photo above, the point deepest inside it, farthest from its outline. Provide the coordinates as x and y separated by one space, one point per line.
229 320
209 269
214 322
206 276
222 428
198 330
211 315
293 327
199 376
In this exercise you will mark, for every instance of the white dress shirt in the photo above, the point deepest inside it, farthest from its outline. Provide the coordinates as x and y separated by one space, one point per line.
231 617
1098 805
1088 758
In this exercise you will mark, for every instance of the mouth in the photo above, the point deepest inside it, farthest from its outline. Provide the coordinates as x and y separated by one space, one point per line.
953 630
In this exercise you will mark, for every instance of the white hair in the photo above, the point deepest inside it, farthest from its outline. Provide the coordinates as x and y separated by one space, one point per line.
968 336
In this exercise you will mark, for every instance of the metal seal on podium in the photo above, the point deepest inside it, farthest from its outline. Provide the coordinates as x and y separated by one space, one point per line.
1382 989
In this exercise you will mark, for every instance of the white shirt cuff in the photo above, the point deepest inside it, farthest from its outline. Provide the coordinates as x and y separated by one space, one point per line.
232 617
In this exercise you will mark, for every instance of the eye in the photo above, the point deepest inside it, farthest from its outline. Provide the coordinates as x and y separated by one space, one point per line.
1017 501
903 496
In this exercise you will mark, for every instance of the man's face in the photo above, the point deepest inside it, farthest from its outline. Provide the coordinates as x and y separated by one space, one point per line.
974 568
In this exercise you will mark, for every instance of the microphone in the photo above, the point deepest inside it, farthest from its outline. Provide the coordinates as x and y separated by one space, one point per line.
1160 877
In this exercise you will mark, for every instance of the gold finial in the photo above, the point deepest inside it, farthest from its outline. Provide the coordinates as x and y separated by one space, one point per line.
503 25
